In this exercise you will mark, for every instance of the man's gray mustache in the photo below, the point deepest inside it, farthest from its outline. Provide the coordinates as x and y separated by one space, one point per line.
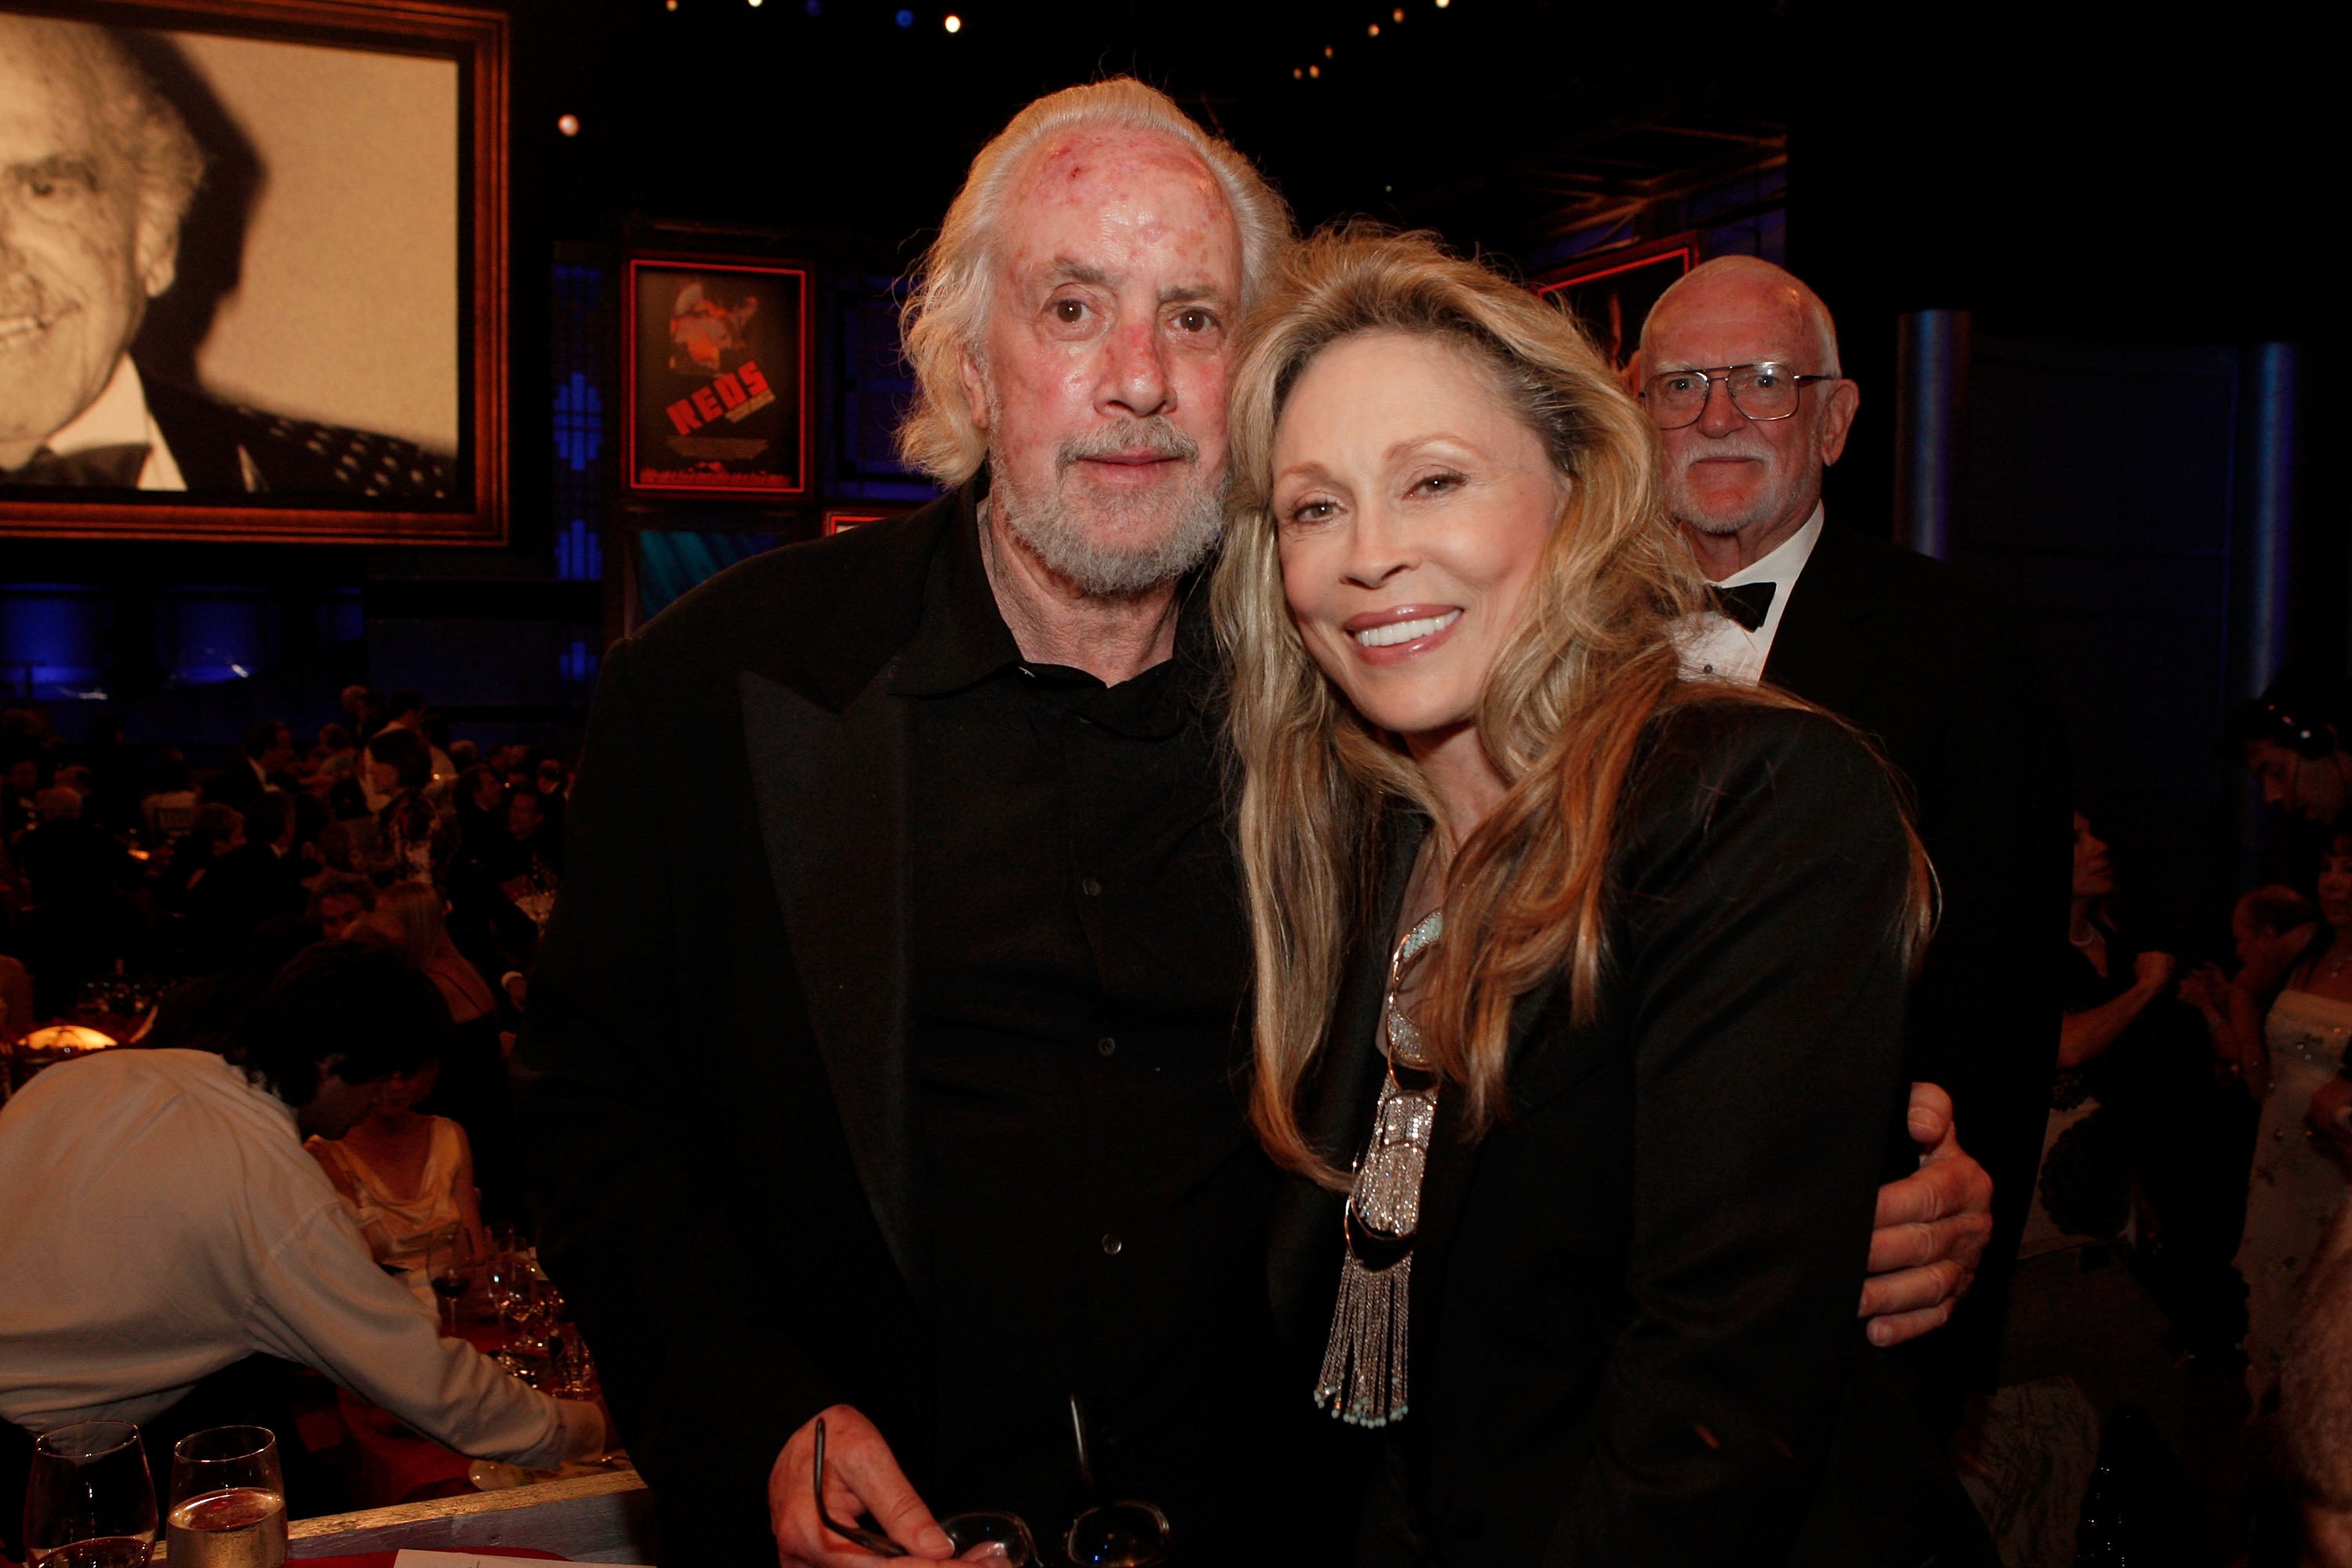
1154 434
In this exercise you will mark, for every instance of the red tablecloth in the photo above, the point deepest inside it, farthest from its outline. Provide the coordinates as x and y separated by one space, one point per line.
384 1559
398 1464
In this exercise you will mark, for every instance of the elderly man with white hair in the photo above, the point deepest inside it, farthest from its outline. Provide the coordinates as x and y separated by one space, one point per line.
882 1068
97 171
1740 373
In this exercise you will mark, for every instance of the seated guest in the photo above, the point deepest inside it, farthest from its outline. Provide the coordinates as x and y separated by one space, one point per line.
81 879
406 1177
335 753
338 901
412 842
478 802
267 764
213 831
258 881
163 1227
1611 1039
472 1090
527 842
2295 1188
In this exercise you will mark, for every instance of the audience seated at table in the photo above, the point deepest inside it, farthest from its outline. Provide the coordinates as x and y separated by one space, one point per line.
163 1229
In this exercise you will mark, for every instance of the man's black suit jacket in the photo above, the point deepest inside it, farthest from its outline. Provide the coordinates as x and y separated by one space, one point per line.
1947 679
713 1075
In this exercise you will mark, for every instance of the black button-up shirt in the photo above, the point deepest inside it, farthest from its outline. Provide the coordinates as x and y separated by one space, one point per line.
1094 1204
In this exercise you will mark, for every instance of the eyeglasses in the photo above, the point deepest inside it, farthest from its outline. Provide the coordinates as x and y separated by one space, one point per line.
1107 1535
1762 392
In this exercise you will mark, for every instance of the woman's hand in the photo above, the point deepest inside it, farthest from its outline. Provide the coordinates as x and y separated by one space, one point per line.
2207 989
1929 1231
861 1477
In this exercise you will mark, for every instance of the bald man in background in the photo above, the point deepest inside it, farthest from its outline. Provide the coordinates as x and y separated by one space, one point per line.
1739 370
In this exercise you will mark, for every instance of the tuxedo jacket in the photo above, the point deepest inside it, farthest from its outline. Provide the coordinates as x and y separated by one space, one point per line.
713 1076
1633 1324
224 449
1944 675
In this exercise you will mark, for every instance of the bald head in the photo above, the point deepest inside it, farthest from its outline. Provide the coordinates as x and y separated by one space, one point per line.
1751 290
1740 485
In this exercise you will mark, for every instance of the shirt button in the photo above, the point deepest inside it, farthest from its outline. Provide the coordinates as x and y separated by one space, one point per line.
1090 888
1111 1243
1106 1046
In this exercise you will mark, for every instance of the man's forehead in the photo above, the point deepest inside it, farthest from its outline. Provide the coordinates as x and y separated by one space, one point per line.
1746 320
46 86
1102 205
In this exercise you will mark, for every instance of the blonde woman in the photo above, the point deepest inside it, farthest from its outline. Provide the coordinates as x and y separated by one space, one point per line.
1579 986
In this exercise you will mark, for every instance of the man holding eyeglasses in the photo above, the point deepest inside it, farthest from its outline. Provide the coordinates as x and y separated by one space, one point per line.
1739 372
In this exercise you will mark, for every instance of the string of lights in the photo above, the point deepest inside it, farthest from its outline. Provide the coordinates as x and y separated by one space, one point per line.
1313 70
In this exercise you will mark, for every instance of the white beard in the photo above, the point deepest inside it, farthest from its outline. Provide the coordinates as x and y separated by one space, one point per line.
1114 550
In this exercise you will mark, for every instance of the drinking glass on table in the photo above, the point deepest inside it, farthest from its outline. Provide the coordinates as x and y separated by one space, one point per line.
1127 1534
228 1500
451 1263
89 1500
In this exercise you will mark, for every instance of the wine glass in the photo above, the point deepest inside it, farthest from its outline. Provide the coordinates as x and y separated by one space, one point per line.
450 1264
89 1500
228 1500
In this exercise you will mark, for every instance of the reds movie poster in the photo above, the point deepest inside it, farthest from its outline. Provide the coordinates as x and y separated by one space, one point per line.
718 389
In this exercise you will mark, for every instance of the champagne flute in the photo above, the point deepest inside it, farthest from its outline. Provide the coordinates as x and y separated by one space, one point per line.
89 1500
228 1500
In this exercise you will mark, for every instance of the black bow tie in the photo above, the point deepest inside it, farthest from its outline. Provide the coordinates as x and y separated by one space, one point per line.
1745 604
97 469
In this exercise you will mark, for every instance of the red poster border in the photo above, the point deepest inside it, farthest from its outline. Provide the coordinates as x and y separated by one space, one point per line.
674 260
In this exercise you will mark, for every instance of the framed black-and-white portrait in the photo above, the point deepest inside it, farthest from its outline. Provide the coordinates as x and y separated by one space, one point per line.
254 275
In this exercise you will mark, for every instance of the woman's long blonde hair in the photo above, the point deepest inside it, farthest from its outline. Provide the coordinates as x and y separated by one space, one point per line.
1560 717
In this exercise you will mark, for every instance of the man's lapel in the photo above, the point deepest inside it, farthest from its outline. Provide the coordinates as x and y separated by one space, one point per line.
1816 653
832 791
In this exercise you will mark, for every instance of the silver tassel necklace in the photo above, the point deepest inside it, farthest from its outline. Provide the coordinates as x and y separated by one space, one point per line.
1363 1379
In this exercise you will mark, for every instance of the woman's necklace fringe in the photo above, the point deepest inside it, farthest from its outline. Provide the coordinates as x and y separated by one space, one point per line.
1363 1380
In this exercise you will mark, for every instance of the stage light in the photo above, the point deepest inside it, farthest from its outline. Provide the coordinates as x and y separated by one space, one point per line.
568 123
905 19
953 23
1313 70
1373 31
1327 51
1397 14
669 5
1442 5
1296 74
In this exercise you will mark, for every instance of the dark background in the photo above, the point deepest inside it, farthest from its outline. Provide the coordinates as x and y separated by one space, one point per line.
2125 204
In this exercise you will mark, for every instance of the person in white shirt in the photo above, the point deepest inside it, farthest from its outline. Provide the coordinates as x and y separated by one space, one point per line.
163 1223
